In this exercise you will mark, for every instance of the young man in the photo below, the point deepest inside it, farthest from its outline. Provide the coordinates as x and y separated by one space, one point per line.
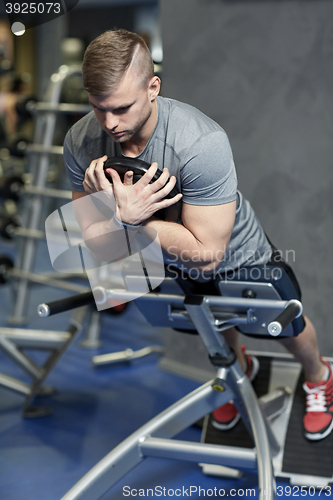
218 230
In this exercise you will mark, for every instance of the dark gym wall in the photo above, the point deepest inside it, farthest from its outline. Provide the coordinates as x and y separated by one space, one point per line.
100 19
263 70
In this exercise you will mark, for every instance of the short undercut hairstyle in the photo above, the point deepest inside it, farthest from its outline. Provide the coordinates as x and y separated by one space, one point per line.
110 55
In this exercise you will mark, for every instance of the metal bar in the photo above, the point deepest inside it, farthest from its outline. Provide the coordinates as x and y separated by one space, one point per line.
54 193
221 317
92 337
126 355
14 385
35 339
46 280
73 330
127 455
204 322
244 389
21 359
24 232
240 302
41 148
42 107
210 300
229 456
102 295
201 315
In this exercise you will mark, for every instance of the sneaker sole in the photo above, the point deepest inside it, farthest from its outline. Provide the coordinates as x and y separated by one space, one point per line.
255 368
226 427
317 437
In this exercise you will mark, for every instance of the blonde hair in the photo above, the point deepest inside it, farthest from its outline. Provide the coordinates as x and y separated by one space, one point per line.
110 55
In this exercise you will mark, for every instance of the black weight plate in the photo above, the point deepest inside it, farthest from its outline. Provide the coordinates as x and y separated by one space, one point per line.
12 186
138 167
5 264
7 227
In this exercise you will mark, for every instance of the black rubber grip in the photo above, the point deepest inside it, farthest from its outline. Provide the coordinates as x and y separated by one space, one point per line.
62 305
288 314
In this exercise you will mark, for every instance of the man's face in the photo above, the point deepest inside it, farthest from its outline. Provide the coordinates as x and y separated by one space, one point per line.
124 114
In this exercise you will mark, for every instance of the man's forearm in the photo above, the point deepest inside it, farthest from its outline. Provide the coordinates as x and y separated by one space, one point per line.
107 242
178 242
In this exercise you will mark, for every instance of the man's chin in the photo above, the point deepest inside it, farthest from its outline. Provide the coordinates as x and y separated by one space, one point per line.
120 137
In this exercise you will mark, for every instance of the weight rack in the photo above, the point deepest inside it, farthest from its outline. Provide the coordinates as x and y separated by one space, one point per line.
39 155
14 342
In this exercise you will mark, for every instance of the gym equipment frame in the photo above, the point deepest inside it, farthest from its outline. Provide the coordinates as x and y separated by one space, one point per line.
209 315
13 341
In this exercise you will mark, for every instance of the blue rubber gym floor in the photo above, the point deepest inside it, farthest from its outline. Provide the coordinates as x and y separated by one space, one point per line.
94 410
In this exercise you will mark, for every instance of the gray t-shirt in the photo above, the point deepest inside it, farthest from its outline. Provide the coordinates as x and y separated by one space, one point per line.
197 151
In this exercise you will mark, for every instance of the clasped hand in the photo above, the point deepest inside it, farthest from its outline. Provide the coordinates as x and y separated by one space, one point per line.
137 202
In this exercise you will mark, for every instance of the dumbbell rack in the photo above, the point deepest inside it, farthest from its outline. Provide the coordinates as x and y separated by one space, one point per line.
39 157
15 342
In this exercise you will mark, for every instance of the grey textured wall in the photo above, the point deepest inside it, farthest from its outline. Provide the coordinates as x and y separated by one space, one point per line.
264 71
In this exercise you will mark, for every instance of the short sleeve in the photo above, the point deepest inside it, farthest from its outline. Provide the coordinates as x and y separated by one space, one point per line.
74 171
208 175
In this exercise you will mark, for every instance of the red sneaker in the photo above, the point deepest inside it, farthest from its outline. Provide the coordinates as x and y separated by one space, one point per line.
226 417
318 419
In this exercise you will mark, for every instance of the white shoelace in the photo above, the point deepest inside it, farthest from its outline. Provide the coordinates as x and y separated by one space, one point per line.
315 398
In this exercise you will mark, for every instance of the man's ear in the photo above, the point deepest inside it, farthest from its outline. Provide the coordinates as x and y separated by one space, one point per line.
154 87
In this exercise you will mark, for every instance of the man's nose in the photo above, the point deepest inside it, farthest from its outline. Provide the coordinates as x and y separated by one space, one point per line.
110 120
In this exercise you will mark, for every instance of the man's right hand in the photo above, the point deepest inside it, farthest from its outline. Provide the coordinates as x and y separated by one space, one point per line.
135 202
138 202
